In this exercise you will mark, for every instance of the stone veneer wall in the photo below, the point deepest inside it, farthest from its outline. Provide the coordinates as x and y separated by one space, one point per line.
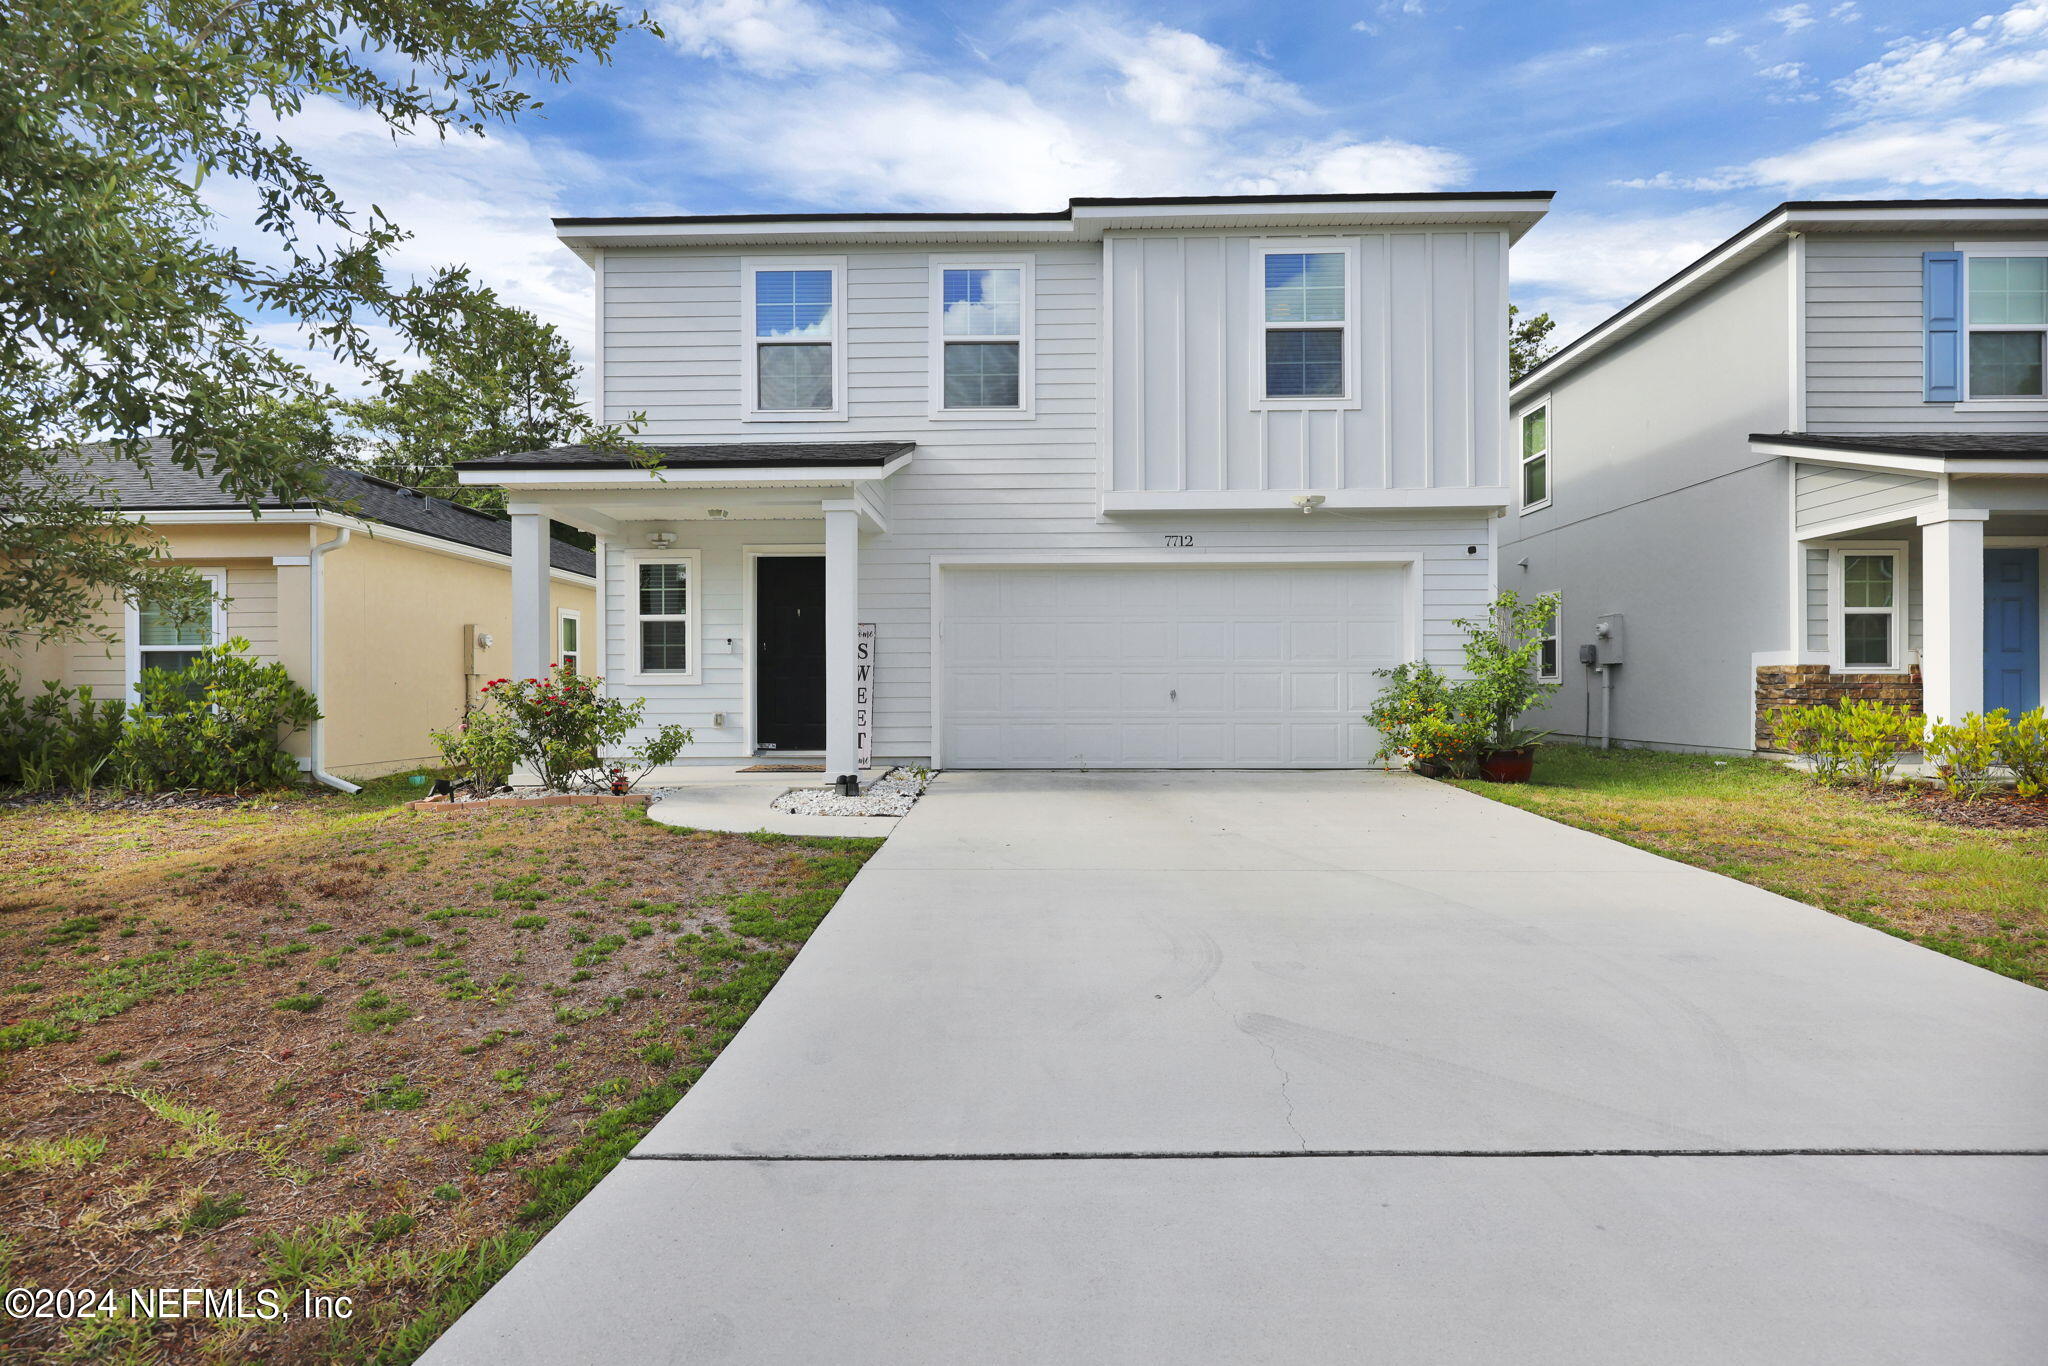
1802 685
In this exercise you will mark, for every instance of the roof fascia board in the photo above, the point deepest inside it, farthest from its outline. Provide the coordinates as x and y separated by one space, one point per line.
303 517
1883 460
724 476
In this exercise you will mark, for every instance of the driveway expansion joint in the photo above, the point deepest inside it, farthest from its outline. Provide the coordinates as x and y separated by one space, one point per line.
1264 1154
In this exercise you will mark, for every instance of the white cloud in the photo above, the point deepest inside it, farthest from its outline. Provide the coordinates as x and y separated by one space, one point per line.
1996 52
2008 156
781 36
1957 111
1723 38
1846 13
1793 17
1081 107
1579 268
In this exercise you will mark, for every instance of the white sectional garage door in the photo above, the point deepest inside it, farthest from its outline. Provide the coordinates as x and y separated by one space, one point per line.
1169 666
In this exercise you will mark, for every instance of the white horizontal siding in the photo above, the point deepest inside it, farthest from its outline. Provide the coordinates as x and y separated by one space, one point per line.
1828 493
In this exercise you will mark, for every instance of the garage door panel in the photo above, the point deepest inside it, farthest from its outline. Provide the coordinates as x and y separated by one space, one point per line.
1165 666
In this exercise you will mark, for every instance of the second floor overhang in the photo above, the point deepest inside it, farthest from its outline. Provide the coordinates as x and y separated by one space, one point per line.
1082 220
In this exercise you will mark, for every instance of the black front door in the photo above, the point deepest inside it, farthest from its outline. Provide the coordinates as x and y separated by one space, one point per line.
789 651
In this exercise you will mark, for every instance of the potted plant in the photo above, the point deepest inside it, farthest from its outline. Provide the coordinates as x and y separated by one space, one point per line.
1466 727
1500 661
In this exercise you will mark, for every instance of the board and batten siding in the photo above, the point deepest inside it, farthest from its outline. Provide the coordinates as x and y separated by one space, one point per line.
983 488
1833 493
1865 342
1186 332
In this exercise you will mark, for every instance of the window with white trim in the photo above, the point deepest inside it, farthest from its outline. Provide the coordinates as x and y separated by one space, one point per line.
983 322
569 640
165 640
1536 457
1871 589
662 600
2006 318
1305 313
1548 659
794 315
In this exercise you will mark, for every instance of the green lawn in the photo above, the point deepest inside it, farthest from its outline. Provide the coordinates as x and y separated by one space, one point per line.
1978 895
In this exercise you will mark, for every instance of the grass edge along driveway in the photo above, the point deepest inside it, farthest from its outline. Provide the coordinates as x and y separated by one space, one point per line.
1980 895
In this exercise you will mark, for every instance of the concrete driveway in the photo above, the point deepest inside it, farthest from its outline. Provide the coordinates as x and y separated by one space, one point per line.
1319 1067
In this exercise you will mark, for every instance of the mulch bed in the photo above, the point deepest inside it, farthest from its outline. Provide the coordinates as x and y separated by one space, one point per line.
384 1023
1989 811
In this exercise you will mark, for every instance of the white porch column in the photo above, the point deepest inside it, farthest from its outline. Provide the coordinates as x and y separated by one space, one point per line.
530 594
842 619
1952 636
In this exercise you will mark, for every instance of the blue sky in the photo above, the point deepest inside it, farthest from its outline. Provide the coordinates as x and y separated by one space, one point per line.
1662 127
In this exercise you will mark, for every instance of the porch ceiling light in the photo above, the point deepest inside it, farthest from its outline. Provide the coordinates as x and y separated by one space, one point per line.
661 540
716 514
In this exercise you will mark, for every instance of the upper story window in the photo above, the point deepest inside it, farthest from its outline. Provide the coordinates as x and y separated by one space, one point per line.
2008 325
795 359
1536 457
1308 350
981 347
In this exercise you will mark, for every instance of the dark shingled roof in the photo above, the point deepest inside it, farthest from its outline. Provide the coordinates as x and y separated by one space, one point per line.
731 455
164 487
1936 445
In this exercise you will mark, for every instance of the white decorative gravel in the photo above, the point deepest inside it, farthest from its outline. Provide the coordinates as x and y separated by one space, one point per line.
892 794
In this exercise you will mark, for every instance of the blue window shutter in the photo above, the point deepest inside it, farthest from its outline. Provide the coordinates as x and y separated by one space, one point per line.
1942 289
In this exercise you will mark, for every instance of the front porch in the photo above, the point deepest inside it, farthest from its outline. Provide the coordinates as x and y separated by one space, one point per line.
1916 571
729 589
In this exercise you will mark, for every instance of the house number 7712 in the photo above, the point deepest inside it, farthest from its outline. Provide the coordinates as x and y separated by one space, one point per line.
1178 541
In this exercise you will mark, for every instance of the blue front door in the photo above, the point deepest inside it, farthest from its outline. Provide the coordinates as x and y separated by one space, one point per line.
2012 630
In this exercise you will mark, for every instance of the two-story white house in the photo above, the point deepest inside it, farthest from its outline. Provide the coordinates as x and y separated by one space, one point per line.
1138 483
1809 467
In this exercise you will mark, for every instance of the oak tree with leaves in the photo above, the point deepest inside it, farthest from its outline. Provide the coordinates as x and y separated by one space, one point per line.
124 312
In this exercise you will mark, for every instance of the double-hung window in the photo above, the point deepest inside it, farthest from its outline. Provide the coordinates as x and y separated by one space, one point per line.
981 362
665 637
1307 348
569 640
795 361
1547 657
2007 322
1536 457
1870 586
162 638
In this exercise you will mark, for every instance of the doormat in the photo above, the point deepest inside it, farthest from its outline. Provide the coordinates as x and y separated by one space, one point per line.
785 768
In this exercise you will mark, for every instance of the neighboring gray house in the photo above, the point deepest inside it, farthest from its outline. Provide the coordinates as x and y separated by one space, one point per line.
1140 482
1811 465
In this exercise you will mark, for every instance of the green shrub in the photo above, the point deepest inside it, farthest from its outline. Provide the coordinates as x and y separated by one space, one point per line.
1876 736
60 737
1967 750
217 725
2023 748
1861 740
562 727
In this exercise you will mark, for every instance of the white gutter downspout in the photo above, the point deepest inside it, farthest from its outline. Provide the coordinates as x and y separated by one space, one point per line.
317 584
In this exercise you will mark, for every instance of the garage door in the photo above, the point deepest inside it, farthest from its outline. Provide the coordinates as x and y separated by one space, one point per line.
1127 666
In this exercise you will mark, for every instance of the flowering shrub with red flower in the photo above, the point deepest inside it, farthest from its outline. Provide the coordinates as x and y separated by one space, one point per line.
563 728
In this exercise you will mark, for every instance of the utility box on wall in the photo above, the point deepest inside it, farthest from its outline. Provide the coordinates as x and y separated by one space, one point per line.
1610 638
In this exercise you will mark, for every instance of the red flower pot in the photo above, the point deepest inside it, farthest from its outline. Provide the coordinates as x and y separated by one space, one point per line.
1509 765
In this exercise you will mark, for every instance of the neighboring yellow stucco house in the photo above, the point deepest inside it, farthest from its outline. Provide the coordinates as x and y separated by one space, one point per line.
392 612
